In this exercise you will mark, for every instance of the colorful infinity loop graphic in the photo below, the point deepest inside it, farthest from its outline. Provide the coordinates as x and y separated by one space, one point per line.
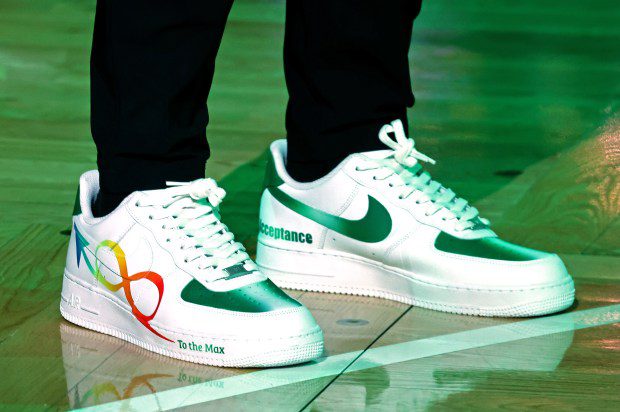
126 279
98 391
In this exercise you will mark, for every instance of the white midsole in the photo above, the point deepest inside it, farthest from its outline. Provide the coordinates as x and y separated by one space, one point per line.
323 272
84 306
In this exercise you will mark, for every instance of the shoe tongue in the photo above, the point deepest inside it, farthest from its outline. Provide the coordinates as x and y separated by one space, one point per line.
384 157
377 154
166 194
163 193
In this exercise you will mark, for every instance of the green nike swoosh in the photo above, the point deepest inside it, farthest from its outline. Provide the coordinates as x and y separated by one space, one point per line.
372 228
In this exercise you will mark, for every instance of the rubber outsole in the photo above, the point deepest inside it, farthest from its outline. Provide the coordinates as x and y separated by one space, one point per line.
544 300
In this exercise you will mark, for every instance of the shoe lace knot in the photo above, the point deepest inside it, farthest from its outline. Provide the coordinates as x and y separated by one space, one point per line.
405 152
202 189
413 181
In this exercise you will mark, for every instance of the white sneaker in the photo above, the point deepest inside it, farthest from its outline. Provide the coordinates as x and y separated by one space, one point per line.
378 225
163 272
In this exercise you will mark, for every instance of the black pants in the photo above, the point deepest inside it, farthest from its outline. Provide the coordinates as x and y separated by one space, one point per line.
152 65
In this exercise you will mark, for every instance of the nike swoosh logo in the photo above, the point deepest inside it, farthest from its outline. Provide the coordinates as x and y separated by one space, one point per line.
374 227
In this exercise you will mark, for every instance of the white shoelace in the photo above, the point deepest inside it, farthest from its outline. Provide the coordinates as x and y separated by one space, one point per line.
190 220
417 184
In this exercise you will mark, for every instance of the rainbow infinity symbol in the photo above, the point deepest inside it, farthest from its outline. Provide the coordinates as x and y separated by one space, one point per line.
126 279
98 391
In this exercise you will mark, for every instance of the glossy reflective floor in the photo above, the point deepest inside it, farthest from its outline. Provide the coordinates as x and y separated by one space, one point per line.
518 101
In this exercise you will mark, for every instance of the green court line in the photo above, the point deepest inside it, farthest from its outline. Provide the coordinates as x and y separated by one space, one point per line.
371 358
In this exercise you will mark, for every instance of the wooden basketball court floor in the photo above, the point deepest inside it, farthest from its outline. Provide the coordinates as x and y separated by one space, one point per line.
519 102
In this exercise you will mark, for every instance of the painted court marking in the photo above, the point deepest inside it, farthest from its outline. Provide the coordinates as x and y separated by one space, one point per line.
371 358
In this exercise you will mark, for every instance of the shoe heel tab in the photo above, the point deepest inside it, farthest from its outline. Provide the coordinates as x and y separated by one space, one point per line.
276 156
86 193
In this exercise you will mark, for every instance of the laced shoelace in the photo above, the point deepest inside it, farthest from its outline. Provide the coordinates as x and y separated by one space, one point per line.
190 218
415 183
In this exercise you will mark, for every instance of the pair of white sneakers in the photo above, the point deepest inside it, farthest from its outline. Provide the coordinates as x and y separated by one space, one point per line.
163 272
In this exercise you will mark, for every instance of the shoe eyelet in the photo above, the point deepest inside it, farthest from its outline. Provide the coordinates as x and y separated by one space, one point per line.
137 204
357 169
186 260
391 184
400 197
150 217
